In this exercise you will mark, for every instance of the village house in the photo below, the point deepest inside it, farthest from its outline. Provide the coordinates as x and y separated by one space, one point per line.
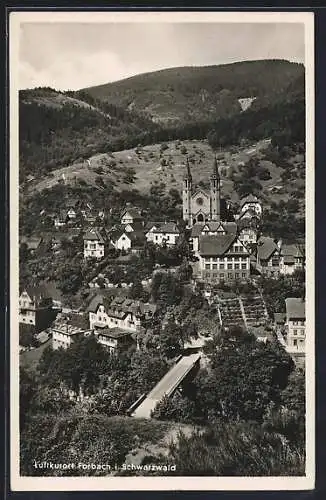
36 308
292 258
119 312
94 245
295 324
72 208
131 216
222 258
268 256
249 206
120 239
115 339
247 230
67 329
61 219
168 233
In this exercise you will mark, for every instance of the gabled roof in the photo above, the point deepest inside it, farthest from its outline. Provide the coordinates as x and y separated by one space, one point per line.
133 212
266 247
39 292
249 199
292 251
216 245
93 236
295 308
196 230
116 234
168 227
149 225
136 226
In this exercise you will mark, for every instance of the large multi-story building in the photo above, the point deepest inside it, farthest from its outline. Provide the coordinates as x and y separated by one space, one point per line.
295 325
223 257
120 312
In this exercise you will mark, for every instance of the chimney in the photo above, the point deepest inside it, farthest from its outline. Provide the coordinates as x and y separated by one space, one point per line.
279 244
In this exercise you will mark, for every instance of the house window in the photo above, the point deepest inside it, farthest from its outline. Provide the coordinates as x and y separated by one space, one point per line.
244 275
243 266
229 266
207 266
222 275
221 266
230 275
214 266
295 342
237 275
295 332
236 266
241 249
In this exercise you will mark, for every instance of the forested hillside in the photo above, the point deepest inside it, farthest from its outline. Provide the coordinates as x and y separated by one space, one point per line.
178 95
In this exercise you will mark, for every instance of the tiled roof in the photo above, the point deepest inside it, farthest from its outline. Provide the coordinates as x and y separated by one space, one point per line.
149 225
196 230
93 236
249 199
295 308
266 246
136 226
292 251
133 212
115 333
40 292
215 245
169 227
116 234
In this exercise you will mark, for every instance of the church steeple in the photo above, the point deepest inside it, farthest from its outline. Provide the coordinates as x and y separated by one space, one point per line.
186 195
215 192
188 175
215 173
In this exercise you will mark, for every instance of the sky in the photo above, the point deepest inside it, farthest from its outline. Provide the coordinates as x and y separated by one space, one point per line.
70 56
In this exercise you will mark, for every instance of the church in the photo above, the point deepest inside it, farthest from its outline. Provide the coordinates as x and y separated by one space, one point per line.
200 205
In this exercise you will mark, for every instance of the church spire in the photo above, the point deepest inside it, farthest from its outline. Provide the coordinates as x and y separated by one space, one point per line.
215 173
188 175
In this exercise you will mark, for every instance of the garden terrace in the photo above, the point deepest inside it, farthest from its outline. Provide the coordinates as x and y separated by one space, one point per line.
254 310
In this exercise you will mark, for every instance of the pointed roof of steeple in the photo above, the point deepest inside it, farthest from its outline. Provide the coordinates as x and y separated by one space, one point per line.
215 172
188 171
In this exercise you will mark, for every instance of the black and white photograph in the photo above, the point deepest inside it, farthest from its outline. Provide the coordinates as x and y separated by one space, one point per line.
162 250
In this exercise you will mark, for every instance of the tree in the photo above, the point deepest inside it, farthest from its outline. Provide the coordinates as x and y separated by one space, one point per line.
171 340
245 376
176 408
137 291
